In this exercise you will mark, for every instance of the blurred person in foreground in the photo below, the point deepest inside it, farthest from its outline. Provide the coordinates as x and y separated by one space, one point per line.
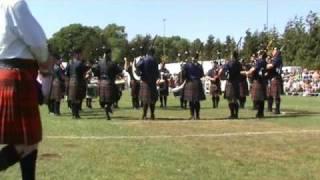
23 53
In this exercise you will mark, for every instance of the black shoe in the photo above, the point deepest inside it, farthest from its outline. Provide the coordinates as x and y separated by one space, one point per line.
277 112
152 117
8 157
259 116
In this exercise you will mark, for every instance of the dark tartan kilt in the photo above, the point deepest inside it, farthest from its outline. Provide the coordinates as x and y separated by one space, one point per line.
215 90
232 91
164 89
76 90
148 94
275 89
56 90
258 91
135 88
108 91
193 91
243 87
19 112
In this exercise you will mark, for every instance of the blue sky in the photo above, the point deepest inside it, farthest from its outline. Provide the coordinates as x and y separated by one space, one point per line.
188 18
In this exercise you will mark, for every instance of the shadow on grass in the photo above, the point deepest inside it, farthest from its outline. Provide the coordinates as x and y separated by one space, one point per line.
99 115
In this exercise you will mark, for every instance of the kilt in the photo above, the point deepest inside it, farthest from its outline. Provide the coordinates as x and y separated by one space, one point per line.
135 88
193 91
258 91
215 90
56 90
19 113
275 89
232 91
243 88
108 91
164 89
148 94
76 92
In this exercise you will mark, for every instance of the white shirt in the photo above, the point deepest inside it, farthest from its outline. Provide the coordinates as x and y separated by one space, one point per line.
21 36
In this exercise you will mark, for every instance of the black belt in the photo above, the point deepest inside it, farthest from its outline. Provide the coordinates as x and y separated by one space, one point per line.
18 63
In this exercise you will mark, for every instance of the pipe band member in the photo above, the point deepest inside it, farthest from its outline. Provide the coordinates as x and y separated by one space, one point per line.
163 84
76 92
148 94
134 84
215 87
258 91
108 90
23 53
231 70
193 91
276 79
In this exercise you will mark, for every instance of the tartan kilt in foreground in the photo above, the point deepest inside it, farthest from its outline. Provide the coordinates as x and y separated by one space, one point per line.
108 91
76 92
215 90
135 88
56 90
193 91
148 94
232 91
19 113
275 90
258 91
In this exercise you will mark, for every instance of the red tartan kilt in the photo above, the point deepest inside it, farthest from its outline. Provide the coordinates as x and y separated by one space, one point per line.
135 88
108 91
146 94
275 90
56 91
258 91
243 87
19 112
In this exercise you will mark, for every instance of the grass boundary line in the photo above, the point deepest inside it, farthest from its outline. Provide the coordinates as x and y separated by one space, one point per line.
186 136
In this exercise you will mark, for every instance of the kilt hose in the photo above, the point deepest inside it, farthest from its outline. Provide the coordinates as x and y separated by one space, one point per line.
193 91
148 94
56 93
243 88
135 88
258 91
76 92
215 90
275 89
108 91
232 92
19 113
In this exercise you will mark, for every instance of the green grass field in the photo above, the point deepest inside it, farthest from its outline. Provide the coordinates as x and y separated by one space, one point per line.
172 147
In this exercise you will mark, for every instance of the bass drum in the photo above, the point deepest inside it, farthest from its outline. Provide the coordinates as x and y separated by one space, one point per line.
134 68
178 90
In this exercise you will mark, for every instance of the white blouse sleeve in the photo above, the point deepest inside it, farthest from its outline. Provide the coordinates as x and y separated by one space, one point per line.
30 31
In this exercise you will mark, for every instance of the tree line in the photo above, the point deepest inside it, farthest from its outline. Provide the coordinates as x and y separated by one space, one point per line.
300 43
